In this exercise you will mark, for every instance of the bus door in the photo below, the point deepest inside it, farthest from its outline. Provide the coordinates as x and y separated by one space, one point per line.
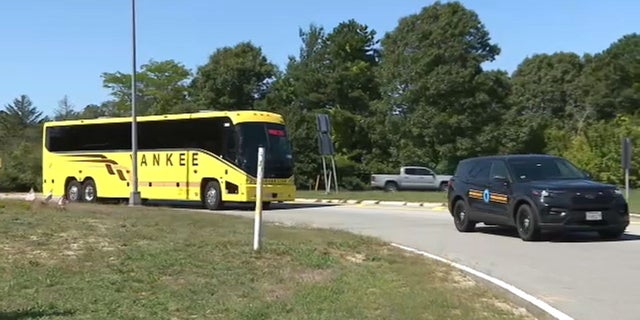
192 175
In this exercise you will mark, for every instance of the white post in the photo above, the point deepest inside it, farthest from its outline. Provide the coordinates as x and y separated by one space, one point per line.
257 225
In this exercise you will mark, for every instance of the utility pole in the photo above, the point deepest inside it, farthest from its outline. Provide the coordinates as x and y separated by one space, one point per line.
134 198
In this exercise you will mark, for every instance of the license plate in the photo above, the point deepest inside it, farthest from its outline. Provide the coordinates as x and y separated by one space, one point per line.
594 215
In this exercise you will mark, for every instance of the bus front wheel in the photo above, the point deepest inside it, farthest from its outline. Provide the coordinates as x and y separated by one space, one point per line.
212 196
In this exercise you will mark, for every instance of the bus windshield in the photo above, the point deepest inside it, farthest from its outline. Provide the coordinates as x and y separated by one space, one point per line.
278 154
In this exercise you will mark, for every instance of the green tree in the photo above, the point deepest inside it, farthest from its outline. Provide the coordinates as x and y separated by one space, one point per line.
20 121
351 61
297 94
597 150
335 74
161 87
611 81
21 167
21 129
233 78
434 85
105 109
65 110
20 114
544 91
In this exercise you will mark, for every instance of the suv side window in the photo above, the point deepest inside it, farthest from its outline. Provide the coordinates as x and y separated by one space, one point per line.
499 168
480 171
464 168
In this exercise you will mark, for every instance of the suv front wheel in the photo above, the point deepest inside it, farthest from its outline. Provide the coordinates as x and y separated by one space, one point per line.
527 223
461 217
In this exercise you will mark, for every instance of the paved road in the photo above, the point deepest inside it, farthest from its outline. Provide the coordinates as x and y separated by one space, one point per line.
580 275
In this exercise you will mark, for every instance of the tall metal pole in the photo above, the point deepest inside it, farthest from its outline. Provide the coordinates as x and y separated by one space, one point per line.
134 198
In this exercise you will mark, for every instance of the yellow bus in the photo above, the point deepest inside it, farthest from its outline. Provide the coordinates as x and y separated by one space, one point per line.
208 156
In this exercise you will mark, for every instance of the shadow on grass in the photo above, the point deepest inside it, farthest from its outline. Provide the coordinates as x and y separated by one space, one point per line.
555 236
33 314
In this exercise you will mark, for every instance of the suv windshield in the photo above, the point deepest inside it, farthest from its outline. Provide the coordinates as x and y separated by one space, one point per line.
278 155
548 168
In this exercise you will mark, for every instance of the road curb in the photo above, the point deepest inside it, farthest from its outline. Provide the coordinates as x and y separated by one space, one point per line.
386 203
536 306
435 206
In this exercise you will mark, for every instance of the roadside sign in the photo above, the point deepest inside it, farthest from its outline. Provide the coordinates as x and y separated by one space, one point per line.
626 153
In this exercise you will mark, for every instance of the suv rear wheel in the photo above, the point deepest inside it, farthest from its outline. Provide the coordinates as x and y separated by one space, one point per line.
461 219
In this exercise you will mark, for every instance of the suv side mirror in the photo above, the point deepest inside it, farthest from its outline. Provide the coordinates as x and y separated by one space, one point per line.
588 174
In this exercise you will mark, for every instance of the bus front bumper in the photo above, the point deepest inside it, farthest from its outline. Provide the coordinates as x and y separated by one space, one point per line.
273 192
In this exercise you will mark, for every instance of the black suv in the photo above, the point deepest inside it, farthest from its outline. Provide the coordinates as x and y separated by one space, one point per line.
534 193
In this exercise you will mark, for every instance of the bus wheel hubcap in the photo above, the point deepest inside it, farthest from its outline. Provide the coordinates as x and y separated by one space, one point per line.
73 193
211 196
89 193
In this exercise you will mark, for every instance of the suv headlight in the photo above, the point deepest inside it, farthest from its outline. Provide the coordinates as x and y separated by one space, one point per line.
541 194
617 192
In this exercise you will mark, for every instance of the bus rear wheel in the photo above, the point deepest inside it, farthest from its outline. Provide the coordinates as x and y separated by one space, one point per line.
74 191
89 192
211 197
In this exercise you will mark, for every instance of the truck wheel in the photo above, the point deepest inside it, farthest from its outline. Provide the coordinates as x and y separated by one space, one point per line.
391 187
444 186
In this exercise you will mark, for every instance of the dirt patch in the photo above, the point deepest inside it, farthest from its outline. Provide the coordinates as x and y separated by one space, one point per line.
100 225
74 242
315 276
461 281
19 251
44 249
175 282
292 277
347 256
507 307
278 292
356 258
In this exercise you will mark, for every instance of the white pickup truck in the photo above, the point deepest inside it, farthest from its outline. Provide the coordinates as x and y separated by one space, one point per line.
410 178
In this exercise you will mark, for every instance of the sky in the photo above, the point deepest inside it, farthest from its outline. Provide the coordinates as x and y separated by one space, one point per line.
52 48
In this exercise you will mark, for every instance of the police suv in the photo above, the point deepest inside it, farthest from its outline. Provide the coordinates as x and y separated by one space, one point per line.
534 193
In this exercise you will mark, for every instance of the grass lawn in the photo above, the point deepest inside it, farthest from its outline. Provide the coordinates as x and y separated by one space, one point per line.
116 262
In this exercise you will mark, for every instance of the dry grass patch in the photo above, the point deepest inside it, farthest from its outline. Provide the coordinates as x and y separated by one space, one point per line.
116 262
